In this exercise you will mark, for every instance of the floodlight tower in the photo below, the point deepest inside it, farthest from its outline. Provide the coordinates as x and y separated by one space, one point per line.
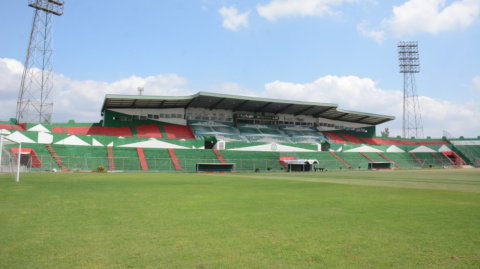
409 65
35 100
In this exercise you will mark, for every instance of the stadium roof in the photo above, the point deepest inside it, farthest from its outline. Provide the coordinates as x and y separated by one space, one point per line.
242 103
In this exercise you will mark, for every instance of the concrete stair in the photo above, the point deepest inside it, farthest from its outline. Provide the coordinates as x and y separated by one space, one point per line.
368 157
111 161
219 156
386 158
283 159
57 159
434 155
175 161
342 160
143 160
418 160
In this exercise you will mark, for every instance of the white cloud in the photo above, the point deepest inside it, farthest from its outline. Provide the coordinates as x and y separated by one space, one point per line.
431 16
363 94
379 36
232 19
293 8
234 89
476 83
82 100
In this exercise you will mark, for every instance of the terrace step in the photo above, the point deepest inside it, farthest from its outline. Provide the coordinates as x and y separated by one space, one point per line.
111 161
386 158
143 160
219 156
368 157
283 159
175 161
365 142
65 130
418 160
342 160
57 159
434 155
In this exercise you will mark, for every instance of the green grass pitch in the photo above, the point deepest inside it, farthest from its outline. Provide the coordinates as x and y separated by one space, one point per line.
349 219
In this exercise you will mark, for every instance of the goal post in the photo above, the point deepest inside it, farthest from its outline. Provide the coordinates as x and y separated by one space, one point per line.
9 161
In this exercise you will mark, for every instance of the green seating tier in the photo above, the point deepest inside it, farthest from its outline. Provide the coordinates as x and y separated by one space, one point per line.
276 139
376 157
126 159
471 152
188 158
405 160
355 159
230 138
427 158
158 160
247 161
305 140
269 131
325 159
245 130
81 157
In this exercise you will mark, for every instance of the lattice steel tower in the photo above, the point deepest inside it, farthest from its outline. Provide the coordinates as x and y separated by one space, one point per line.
409 65
35 102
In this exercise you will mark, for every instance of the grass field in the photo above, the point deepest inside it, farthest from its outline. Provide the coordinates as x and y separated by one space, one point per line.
400 219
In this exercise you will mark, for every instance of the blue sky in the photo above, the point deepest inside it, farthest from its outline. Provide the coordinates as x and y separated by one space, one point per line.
339 51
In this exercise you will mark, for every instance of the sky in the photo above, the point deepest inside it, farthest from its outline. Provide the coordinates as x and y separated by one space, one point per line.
328 51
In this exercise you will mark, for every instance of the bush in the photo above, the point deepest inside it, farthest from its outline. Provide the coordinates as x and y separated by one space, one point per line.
99 169
257 169
269 168
359 167
430 165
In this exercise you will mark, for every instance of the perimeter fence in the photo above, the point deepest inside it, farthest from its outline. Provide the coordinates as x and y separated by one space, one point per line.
131 164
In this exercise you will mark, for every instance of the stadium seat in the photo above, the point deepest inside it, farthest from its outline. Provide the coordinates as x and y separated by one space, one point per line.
94 130
148 131
335 138
178 132
353 139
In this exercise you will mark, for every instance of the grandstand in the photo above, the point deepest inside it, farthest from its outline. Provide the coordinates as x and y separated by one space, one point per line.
167 133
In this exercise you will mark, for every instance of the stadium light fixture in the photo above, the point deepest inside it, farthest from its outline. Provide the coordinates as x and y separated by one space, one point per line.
49 6
409 57
409 65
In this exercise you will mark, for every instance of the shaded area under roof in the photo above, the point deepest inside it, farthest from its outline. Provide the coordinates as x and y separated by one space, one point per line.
242 103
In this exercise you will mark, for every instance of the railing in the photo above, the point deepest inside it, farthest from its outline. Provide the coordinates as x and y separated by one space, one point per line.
132 164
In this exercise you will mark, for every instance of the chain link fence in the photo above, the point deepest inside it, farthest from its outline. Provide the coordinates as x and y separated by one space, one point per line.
125 164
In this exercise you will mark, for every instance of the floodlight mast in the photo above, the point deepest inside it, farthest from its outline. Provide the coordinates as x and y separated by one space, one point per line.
35 100
409 65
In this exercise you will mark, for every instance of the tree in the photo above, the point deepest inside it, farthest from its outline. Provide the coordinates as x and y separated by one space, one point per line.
385 133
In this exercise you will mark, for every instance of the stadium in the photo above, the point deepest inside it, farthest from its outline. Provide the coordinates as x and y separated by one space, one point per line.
216 180
170 133
175 133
